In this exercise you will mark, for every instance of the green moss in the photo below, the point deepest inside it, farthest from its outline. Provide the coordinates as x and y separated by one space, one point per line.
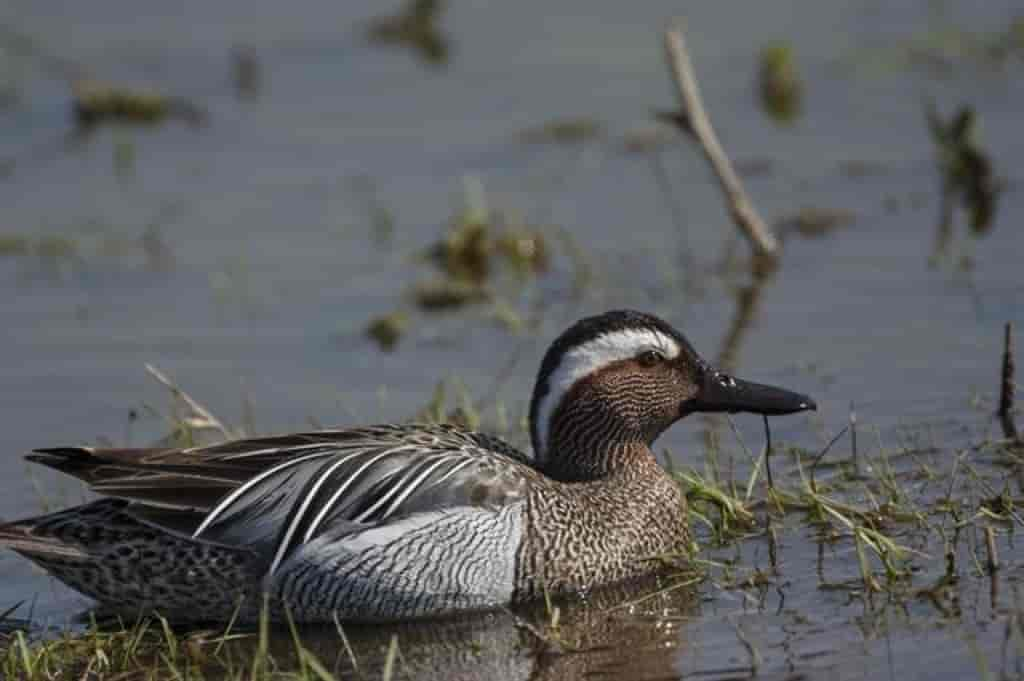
814 222
96 101
525 249
50 247
388 329
14 244
965 166
466 250
780 86
447 293
56 248
565 131
414 27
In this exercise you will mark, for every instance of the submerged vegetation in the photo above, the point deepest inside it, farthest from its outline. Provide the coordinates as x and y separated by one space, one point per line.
564 131
92 244
414 27
96 102
480 239
965 167
946 44
45 247
484 256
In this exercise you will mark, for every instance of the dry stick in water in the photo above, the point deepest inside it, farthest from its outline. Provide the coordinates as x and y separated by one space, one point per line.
752 651
199 416
853 439
773 544
695 121
821 455
1006 387
992 562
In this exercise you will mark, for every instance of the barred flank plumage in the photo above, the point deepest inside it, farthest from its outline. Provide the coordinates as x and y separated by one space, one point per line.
463 557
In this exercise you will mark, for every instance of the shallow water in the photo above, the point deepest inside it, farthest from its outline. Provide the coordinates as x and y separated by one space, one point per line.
263 267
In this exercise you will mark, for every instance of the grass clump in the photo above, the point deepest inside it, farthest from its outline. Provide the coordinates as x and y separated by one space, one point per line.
894 514
152 650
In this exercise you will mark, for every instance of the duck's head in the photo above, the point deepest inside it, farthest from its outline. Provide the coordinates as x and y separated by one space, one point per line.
615 381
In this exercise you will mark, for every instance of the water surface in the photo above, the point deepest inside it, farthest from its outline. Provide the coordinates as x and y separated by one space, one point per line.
268 266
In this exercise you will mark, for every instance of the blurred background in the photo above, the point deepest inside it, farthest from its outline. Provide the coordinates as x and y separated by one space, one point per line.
331 213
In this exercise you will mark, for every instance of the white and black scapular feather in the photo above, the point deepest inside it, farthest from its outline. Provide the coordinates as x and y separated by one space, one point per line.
400 521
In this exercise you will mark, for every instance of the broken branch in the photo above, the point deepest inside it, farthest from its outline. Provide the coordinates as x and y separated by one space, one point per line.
695 120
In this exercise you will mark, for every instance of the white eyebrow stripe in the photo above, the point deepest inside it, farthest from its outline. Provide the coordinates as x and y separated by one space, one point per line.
590 357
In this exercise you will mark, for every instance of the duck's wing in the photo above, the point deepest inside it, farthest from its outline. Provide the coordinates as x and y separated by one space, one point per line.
275 494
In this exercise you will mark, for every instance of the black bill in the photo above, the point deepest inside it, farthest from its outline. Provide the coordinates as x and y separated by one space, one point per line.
723 393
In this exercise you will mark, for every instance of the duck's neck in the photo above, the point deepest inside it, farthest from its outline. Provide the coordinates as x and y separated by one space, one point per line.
582 456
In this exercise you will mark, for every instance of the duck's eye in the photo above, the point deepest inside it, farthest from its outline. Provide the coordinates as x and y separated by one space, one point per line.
649 358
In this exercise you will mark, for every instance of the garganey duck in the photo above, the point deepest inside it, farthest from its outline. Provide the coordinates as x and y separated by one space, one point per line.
400 521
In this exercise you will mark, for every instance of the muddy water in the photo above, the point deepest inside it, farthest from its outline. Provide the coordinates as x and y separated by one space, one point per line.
241 257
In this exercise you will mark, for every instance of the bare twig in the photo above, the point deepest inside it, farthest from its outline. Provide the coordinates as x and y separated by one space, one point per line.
389 659
1006 387
853 440
992 562
755 655
822 453
773 543
199 417
9 611
348 646
695 120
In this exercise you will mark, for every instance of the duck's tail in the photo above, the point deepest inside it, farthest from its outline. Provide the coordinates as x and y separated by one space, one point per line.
19 536
101 550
